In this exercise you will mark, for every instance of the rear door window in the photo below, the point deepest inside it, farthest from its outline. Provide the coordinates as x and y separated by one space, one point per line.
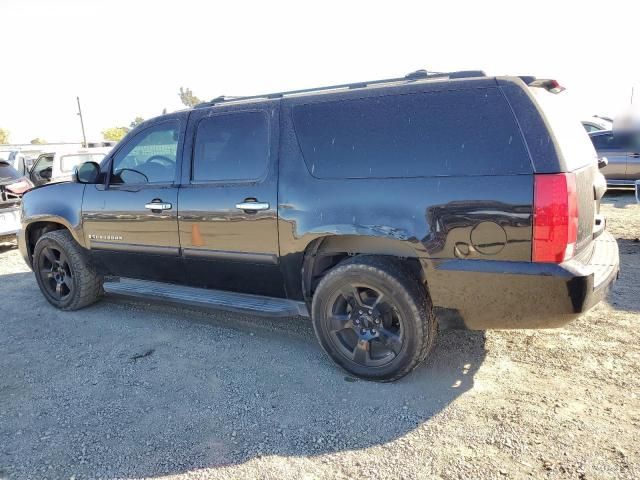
461 132
231 147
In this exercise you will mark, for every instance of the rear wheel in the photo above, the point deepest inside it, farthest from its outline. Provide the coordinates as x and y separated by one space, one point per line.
64 274
373 317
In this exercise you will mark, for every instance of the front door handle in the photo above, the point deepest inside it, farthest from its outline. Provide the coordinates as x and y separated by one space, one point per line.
158 206
253 206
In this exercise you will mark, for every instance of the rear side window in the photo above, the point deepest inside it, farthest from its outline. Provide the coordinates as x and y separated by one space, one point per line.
231 147
463 132
606 142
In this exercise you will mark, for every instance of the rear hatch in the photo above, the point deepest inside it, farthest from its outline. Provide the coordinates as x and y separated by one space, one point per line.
578 157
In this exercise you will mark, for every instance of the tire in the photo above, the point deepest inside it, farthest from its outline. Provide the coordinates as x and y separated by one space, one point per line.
63 271
396 329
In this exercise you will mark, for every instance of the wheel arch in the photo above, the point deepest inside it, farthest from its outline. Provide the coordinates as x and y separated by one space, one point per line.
324 253
36 228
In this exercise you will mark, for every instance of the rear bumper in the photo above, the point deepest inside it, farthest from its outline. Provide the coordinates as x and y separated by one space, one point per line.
496 294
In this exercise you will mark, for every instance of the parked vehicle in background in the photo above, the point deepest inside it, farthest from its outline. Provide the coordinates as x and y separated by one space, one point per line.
622 150
58 166
64 163
378 208
596 124
12 186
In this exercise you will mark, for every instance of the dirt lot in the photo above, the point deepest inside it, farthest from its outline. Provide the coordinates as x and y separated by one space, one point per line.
128 390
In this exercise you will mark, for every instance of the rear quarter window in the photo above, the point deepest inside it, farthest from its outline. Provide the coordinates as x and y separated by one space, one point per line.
571 138
450 133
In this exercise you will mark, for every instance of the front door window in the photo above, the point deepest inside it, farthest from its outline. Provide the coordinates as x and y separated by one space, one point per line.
150 157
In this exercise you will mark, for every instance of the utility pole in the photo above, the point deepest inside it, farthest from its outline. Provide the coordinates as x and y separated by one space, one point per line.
84 137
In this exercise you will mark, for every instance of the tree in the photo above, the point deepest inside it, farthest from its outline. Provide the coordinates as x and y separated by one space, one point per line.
188 98
115 134
4 135
136 121
38 141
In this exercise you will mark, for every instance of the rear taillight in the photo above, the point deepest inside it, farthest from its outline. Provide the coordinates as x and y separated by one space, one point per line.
20 186
555 217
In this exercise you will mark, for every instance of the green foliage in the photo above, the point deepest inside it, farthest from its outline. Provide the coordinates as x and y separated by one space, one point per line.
115 134
188 98
136 121
4 135
38 141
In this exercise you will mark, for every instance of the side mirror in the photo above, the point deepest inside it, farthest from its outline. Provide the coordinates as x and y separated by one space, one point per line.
88 172
603 162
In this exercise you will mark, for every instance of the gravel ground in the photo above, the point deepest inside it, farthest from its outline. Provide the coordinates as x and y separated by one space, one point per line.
124 389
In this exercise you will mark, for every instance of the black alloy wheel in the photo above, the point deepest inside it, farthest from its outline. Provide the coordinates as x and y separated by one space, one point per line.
55 273
365 325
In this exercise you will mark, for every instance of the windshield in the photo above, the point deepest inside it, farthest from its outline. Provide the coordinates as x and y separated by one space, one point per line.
573 141
67 162
7 172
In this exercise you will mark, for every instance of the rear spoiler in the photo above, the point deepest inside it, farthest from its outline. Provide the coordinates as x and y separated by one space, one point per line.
548 84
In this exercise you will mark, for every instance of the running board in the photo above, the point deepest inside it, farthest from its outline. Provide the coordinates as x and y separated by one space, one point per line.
204 298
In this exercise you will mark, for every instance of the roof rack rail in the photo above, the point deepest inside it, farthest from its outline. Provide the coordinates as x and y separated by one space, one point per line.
410 77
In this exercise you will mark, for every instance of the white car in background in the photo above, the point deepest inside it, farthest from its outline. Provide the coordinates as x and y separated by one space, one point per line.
13 185
597 123
58 166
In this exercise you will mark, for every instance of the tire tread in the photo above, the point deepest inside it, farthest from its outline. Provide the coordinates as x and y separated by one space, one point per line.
414 294
88 282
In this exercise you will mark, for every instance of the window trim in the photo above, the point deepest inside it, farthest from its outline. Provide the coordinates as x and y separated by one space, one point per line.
212 114
111 157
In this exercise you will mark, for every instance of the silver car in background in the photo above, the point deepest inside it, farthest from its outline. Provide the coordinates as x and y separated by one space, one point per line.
622 151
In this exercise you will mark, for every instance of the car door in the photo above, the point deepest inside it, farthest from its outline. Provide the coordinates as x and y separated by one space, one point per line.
42 169
228 200
130 222
633 158
609 146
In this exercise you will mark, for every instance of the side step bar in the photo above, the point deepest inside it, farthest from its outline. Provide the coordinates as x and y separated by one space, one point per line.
204 298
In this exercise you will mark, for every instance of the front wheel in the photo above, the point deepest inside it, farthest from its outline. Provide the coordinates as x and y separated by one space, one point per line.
64 274
373 317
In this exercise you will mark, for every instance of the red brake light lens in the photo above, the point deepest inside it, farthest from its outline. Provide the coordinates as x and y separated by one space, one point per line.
20 186
555 217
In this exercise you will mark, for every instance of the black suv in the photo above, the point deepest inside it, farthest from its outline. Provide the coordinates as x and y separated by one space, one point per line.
380 209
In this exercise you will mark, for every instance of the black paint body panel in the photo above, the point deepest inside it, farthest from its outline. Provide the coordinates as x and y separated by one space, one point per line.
470 234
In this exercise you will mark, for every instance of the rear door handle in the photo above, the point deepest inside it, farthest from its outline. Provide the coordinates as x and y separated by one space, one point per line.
253 206
158 206
634 155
